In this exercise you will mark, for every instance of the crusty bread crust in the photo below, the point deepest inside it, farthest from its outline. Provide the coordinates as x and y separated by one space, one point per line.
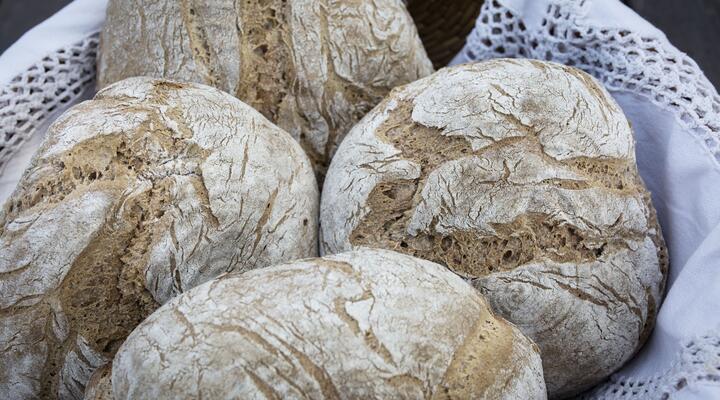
148 190
314 67
370 324
520 176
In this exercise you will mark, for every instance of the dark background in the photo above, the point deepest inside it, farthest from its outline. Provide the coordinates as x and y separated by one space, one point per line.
691 25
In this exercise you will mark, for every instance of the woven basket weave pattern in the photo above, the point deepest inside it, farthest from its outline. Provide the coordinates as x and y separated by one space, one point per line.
444 25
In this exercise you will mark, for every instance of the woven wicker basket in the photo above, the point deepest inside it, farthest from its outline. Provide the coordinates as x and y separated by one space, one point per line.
443 25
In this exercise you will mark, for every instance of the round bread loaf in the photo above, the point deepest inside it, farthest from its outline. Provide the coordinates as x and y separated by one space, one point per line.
520 176
148 190
371 324
314 67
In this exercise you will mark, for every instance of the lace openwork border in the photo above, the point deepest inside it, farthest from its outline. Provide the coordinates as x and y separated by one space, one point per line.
698 363
621 59
54 83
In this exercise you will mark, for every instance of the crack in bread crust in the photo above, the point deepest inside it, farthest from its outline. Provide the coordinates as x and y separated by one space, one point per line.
529 237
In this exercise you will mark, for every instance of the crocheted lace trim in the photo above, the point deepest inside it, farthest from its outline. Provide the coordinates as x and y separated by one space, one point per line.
698 364
621 59
50 86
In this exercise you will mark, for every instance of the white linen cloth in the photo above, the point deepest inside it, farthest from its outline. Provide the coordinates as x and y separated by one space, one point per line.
75 22
674 110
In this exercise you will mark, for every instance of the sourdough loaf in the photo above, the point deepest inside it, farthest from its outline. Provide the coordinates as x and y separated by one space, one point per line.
370 324
148 190
314 67
520 176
